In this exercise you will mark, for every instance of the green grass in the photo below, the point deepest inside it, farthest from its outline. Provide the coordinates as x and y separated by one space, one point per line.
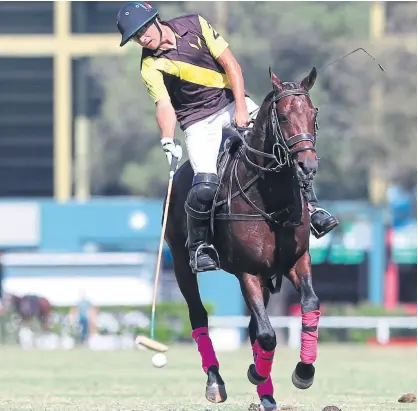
351 377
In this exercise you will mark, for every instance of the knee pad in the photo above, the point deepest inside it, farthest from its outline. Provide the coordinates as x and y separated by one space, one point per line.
203 191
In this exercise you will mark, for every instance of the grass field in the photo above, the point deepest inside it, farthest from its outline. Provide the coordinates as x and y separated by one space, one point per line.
350 377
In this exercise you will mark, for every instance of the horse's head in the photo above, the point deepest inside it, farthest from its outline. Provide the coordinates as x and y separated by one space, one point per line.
294 124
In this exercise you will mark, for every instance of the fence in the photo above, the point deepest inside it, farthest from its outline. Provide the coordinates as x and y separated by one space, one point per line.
383 325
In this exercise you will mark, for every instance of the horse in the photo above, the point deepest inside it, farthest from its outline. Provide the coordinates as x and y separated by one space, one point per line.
29 308
260 227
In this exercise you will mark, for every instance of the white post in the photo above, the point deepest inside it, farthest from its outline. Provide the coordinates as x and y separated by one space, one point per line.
382 332
294 332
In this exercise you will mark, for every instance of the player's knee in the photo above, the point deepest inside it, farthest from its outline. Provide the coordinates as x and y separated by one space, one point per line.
203 189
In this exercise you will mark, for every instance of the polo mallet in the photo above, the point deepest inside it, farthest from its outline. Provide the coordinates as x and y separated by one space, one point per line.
149 342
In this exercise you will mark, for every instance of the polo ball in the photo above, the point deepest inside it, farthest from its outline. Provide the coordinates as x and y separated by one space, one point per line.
159 360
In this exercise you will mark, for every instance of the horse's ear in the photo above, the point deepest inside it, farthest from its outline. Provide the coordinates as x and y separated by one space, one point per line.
308 82
275 80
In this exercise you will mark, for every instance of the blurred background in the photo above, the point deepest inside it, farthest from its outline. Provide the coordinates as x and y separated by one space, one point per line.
82 174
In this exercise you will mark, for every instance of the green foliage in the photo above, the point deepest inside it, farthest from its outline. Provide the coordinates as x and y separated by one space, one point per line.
143 179
360 310
363 310
291 37
172 322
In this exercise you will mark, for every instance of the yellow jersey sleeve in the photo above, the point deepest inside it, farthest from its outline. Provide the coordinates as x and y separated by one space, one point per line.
215 42
153 80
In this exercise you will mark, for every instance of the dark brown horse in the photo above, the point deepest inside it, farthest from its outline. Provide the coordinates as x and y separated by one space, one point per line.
30 307
261 229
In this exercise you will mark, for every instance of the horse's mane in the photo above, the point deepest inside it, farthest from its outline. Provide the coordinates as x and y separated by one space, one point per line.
260 123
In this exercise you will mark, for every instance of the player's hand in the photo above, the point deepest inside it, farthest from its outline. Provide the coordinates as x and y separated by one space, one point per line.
241 117
171 149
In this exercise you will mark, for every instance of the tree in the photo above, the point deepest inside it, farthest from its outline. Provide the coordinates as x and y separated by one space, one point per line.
291 37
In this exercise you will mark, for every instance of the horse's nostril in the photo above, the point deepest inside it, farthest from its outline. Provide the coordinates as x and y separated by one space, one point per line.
308 167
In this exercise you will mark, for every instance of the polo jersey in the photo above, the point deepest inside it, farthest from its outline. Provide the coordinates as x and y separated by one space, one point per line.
189 75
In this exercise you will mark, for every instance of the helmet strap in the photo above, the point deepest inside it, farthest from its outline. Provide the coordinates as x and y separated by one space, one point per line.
159 29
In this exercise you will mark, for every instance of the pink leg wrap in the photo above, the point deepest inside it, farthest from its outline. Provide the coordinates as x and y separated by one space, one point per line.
205 347
264 362
267 387
309 345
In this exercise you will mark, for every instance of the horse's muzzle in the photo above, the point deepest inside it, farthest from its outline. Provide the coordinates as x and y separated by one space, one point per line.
307 168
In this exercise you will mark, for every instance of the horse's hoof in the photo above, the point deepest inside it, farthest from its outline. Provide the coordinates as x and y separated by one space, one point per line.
268 403
216 393
215 386
254 377
303 376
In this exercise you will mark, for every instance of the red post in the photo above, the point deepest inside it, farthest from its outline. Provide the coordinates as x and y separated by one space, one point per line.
391 285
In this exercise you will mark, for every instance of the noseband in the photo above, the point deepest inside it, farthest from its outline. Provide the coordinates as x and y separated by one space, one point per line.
283 150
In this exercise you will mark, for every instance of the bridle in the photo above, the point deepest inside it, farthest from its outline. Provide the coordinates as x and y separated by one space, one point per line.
283 150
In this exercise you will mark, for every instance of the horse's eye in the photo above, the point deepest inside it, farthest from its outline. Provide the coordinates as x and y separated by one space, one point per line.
282 118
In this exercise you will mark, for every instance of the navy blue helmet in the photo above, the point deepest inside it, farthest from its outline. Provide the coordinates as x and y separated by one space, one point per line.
132 17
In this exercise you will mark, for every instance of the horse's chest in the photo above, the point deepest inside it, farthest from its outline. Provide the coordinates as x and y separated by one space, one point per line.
255 247
257 240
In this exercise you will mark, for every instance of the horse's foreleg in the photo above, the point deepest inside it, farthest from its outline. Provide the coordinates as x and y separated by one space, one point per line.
187 281
265 341
301 277
265 390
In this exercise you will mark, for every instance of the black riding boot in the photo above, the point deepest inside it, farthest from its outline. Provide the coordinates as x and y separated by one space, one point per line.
322 222
203 256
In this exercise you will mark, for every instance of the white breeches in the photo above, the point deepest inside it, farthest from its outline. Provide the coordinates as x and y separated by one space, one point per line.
204 138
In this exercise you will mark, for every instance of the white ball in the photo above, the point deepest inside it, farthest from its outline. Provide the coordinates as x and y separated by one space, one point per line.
159 360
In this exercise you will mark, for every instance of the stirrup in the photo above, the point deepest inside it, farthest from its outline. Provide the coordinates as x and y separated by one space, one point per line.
319 209
315 232
194 267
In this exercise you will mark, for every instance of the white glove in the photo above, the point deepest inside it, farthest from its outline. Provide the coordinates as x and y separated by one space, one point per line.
171 149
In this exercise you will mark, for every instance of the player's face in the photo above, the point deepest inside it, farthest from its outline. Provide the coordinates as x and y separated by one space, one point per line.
148 36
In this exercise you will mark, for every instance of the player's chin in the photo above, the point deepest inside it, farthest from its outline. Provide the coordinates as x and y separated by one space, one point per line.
152 45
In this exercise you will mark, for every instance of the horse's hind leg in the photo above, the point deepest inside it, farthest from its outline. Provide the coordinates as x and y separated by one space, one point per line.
187 281
252 291
265 390
301 277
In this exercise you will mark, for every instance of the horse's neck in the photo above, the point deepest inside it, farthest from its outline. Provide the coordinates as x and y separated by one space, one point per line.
257 140
259 131
276 189
272 191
